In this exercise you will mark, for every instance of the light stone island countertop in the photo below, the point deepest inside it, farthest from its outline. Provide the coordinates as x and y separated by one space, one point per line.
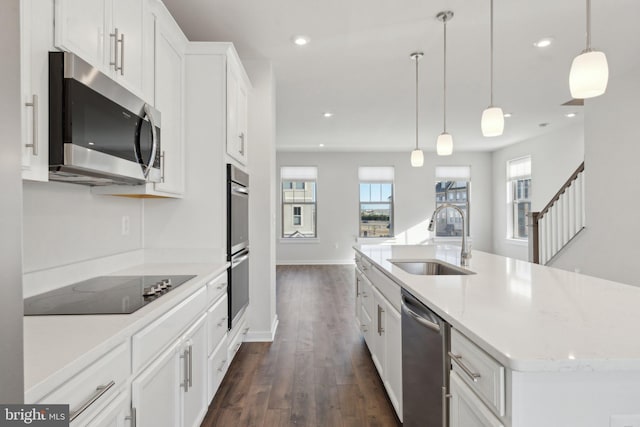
529 317
56 347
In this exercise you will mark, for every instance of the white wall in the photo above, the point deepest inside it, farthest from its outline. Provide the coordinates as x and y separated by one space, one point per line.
198 220
11 353
262 316
608 247
338 194
64 224
554 157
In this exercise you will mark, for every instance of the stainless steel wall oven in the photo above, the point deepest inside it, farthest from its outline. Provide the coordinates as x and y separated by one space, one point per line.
237 241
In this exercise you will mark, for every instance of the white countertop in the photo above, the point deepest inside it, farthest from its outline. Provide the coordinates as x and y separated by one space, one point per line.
55 347
529 317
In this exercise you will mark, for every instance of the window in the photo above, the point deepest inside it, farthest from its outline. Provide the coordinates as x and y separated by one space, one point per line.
376 201
452 187
518 197
298 202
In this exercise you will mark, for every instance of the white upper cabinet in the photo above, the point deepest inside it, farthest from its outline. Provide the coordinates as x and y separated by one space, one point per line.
109 35
36 32
165 45
237 102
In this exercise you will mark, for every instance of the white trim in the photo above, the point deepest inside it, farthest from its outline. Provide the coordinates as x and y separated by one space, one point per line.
304 240
263 336
518 242
316 262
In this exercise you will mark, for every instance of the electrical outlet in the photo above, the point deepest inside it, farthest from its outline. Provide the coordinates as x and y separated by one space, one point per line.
625 420
125 229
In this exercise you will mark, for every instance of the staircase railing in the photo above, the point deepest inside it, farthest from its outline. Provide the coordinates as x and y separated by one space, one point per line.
560 221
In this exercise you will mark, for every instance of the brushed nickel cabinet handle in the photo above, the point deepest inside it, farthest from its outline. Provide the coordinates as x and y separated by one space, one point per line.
185 357
34 124
222 321
121 55
224 362
190 365
162 165
114 36
100 390
458 360
133 417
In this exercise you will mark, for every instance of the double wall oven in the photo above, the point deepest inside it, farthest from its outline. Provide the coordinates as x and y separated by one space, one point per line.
237 241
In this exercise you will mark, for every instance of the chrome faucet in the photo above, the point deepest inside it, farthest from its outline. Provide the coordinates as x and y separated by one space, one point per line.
465 254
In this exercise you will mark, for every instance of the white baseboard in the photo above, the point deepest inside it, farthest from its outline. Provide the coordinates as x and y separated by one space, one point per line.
263 336
317 262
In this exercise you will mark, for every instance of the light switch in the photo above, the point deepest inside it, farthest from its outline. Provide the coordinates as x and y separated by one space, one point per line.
625 420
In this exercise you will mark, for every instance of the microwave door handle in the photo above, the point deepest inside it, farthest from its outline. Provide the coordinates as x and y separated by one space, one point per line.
154 138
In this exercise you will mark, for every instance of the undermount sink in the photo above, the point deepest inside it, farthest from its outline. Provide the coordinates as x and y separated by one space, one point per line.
430 268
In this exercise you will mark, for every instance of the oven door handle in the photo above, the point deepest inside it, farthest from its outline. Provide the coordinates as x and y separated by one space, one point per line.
154 138
240 190
240 258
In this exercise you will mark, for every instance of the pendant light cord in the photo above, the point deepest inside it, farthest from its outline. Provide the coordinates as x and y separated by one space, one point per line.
444 91
491 104
417 59
588 25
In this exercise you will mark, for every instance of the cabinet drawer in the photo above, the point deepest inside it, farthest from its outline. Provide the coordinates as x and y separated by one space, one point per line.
469 361
236 341
217 321
151 340
466 409
218 365
386 286
95 380
216 287
366 292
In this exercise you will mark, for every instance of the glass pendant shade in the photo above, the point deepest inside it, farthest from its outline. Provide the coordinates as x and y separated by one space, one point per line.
444 144
589 75
417 158
492 121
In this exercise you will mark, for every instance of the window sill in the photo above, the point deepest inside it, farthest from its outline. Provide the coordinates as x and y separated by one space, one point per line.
517 242
303 240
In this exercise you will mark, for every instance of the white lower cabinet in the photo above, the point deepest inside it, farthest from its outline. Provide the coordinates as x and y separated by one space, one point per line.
172 391
380 324
156 392
466 410
116 414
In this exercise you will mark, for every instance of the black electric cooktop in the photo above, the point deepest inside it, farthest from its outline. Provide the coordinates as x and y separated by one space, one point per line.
103 295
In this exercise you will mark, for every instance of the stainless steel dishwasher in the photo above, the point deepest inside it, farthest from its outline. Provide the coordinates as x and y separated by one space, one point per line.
425 365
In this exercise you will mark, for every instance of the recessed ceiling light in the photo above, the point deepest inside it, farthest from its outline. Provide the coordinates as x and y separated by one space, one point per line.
544 42
327 114
507 115
300 40
570 115
320 145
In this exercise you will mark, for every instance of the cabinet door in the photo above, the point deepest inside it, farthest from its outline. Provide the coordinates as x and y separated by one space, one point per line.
195 398
358 297
128 18
116 414
242 129
168 97
233 146
466 409
36 42
81 28
156 392
393 351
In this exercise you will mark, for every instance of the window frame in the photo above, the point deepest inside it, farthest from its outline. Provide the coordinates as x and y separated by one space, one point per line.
391 209
284 204
513 201
456 202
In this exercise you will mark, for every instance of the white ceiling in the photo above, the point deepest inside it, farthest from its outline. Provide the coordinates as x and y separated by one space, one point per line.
357 64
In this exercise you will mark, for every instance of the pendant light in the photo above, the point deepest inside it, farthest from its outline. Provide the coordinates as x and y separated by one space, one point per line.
589 71
492 122
417 157
444 144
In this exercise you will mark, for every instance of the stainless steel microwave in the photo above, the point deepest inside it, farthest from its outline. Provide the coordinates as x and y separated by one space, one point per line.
99 132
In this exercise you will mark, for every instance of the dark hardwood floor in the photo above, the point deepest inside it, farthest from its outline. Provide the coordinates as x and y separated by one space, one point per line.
317 372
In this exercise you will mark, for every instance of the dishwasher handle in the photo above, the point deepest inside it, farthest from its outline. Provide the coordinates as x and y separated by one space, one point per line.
421 320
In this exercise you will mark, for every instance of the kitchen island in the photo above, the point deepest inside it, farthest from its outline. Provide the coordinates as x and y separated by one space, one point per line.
568 342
